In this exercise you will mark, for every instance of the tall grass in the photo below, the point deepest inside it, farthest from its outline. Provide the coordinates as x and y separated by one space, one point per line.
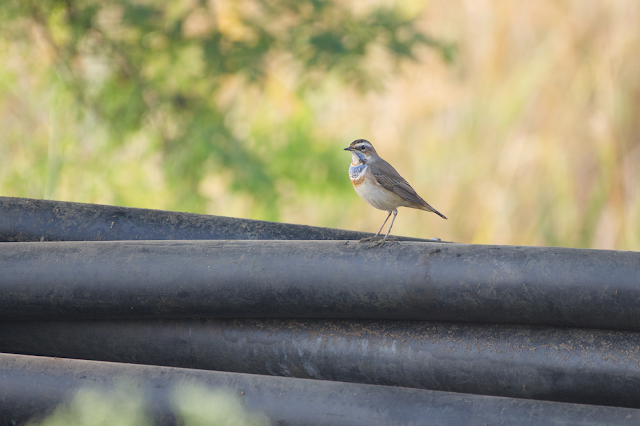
531 137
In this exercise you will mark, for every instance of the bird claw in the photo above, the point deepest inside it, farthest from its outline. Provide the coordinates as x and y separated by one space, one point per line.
369 239
380 243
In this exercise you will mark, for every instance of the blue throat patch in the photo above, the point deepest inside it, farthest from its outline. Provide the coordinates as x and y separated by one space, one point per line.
354 171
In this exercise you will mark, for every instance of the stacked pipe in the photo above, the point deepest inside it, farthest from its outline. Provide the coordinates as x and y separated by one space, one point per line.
525 335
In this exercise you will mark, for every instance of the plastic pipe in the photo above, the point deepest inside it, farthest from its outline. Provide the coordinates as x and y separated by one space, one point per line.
31 220
566 365
31 386
320 279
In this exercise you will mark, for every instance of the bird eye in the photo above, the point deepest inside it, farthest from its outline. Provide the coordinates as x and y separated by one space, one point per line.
362 147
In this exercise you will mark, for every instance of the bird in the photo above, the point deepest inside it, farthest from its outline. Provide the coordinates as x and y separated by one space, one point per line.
380 185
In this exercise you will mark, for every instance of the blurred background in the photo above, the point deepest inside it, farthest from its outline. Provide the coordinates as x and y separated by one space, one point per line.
519 121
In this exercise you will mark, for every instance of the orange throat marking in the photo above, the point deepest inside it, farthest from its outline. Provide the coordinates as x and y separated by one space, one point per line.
358 181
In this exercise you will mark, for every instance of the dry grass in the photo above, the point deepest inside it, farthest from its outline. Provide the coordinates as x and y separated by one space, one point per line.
532 137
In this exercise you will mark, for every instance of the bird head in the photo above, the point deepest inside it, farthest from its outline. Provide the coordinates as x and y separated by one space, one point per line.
361 151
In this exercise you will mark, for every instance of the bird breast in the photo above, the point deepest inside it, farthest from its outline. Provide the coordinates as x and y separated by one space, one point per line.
357 173
371 192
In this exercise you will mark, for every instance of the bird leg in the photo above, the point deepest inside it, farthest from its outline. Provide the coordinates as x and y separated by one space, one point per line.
395 213
364 240
382 242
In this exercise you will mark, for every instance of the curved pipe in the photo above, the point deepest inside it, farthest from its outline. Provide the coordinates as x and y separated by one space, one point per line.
30 220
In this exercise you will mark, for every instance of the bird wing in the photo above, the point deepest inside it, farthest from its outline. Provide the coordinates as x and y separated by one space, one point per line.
388 178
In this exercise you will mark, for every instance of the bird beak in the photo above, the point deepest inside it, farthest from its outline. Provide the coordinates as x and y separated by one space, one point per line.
348 148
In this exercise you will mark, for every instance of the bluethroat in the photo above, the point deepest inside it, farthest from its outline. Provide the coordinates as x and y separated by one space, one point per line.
380 185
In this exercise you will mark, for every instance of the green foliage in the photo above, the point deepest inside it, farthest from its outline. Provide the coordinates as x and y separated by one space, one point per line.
193 405
156 70
196 405
94 407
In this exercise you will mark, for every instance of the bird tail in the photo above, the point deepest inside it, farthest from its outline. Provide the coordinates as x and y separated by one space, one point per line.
428 208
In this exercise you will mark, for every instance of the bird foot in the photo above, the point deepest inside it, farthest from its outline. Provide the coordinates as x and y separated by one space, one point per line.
369 239
377 244
382 242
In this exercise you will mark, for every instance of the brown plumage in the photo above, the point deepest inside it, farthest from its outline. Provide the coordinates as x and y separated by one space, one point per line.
388 178
380 185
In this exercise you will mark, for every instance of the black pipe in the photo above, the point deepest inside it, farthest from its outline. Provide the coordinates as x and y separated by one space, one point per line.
30 220
566 365
34 385
320 279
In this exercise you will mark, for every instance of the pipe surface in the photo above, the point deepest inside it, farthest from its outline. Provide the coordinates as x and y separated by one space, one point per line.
320 279
31 220
566 365
34 385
